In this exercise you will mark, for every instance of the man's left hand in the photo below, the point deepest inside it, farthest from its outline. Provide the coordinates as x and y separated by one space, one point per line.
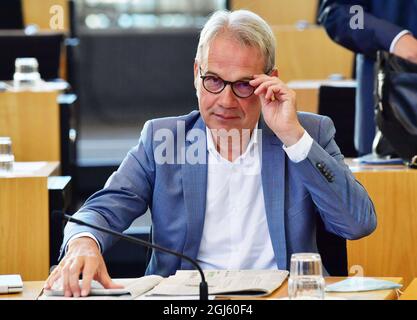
278 108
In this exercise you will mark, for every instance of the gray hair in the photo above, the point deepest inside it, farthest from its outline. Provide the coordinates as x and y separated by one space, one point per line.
246 27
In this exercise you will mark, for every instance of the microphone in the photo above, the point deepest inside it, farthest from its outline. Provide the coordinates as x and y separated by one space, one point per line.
203 283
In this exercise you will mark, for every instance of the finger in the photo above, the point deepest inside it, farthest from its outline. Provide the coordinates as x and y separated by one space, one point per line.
106 281
264 86
257 79
261 78
273 92
279 93
74 276
52 278
65 280
263 75
89 271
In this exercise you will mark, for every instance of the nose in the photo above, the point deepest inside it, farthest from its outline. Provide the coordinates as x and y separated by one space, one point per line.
227 98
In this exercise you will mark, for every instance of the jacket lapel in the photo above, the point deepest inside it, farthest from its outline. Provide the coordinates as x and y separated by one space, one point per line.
273 183
194 184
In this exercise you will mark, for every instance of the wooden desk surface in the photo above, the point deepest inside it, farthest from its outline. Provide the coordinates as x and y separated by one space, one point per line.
359 167
24 219
32 289
410 293
282 292
30 169
390 249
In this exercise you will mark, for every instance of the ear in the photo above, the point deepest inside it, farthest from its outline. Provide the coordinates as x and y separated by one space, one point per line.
274 73
195 73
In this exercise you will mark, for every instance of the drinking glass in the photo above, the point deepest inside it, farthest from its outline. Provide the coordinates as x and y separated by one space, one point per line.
306 280
26 73
6 155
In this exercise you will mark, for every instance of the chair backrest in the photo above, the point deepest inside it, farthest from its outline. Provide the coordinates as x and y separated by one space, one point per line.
128 260
45 47
60 198
338 103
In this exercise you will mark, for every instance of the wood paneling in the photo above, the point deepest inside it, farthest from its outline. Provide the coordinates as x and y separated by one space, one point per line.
390 250
31 119
280 12
310 54
307 100
410 292
24 222
39 12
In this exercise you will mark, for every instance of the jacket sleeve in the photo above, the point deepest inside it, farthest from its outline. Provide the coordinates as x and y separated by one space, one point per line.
377 34
126 195
343 203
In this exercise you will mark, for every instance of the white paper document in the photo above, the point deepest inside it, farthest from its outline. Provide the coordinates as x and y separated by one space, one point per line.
184 285
222 283
133 288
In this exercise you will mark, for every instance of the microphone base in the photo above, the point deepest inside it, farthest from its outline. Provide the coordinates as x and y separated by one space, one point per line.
203 291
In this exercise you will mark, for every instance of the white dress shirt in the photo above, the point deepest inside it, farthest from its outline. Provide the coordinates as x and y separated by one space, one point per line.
235 233
395 40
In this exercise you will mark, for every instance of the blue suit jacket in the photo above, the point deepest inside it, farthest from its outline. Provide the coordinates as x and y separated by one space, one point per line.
176 195
383 20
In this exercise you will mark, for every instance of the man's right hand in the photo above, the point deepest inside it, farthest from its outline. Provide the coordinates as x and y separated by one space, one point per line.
406 48
83 257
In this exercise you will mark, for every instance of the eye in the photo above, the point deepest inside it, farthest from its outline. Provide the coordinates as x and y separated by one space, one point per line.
213 83
243 87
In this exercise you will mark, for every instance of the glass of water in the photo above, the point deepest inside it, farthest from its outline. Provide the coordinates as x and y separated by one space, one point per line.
6 155
26 73
306 280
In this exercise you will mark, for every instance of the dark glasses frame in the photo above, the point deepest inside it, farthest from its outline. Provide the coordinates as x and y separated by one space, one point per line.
225 83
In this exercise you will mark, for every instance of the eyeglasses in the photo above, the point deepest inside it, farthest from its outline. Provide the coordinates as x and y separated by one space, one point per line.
215 84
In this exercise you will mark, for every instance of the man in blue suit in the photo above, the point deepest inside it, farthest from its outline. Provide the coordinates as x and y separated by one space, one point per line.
387 25
236 185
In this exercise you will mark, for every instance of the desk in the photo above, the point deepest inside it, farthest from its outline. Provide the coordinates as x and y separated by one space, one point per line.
307 92
32 121
282 292
32 289
410 293
390 250
24 219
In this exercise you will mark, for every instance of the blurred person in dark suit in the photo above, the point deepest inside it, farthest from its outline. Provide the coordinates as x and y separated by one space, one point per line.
386 25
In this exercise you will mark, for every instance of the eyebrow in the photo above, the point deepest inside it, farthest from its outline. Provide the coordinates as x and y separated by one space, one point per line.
242 79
